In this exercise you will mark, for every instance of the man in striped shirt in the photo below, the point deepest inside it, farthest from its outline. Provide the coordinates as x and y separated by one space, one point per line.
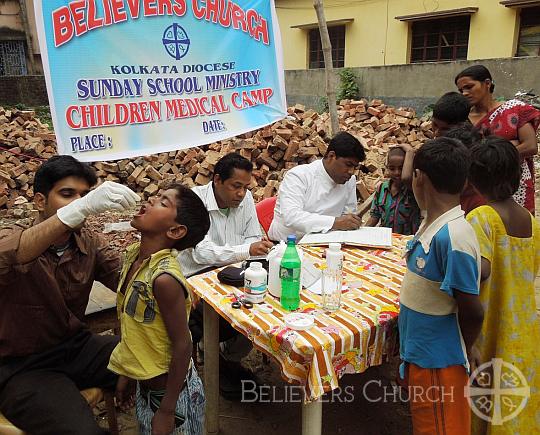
234 236
235 232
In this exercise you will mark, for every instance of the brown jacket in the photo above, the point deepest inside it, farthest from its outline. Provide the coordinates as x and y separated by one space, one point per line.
43 302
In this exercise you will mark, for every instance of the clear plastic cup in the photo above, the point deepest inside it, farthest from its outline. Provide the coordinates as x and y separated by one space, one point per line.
331 289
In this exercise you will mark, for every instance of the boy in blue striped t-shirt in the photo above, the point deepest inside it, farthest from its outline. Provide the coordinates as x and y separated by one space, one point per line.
440 314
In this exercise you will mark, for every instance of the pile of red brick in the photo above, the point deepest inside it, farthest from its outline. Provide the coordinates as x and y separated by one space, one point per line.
300 138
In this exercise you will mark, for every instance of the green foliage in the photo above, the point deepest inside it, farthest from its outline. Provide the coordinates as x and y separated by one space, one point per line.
322 105
44 115
348 89
428 111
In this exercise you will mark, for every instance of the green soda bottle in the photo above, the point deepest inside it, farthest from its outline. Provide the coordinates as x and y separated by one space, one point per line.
289 274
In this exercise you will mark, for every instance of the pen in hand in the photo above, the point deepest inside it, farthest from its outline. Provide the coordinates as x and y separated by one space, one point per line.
347 222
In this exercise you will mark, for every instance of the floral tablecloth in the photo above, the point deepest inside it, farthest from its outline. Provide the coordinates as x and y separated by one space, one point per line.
361 334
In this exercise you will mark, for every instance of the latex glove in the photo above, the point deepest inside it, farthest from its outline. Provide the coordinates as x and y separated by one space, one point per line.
108 196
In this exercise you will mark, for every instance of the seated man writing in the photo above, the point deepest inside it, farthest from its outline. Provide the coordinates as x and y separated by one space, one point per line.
234 236
235 233
319 196
46 274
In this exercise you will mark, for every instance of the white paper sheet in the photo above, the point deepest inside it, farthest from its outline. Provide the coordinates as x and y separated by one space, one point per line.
310 274
378 237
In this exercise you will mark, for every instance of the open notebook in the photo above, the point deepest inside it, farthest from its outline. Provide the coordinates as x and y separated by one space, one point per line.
377 237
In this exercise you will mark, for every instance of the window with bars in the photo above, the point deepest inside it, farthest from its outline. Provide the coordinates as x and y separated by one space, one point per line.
12 58
337 39
440 39
529 32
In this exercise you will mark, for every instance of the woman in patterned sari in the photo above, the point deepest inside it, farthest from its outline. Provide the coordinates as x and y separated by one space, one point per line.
512 120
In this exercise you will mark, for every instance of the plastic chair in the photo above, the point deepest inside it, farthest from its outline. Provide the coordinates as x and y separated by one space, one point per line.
265 212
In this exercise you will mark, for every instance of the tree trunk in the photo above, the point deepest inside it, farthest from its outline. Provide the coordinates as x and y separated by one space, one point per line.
328 67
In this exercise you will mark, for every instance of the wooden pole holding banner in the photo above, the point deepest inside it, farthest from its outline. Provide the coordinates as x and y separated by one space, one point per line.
328 67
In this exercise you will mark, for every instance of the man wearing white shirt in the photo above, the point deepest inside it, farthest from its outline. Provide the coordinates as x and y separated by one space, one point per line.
235 232
234 236
320 196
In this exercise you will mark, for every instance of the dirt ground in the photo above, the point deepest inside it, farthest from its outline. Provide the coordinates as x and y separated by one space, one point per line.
349 411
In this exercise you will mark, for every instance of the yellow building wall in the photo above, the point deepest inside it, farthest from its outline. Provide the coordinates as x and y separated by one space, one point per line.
493 31
375 37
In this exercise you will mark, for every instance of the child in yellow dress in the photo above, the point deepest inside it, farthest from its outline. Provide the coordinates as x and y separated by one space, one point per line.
509 238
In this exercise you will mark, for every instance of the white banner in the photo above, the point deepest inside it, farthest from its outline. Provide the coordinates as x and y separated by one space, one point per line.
134 77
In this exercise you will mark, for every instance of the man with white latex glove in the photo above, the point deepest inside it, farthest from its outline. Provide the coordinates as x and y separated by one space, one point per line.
46 274
109 196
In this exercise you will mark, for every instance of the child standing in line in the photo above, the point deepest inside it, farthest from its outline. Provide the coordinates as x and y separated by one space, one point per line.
509 239
440 312
468 135
394 205
451 110
153 306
